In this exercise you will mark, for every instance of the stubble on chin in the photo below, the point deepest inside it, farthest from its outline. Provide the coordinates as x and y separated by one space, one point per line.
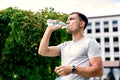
68 31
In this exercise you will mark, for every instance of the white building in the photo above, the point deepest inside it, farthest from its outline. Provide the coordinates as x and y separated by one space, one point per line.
106 30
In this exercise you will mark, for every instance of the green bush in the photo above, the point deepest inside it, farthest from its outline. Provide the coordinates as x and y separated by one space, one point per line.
20 35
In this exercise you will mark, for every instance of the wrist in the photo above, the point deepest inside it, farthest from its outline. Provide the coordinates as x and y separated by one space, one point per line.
49 30
73 70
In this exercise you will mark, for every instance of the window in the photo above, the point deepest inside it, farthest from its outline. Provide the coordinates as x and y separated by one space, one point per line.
115 29
106 23
106 29
89 24
107 49
89 31
116 49
107 58
106 39
114 22
98 40
97 30
115 39
117 58
97 23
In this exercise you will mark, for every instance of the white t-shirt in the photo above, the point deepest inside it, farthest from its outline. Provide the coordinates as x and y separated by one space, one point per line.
78 54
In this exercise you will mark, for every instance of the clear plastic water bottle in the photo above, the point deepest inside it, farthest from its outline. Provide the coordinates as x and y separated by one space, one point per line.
51 22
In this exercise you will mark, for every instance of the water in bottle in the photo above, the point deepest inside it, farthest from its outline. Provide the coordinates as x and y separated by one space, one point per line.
51 22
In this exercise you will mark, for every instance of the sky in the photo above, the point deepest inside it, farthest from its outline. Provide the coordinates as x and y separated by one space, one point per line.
88 7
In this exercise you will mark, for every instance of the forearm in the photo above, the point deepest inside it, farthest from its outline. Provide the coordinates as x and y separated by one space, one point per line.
92 71
43 47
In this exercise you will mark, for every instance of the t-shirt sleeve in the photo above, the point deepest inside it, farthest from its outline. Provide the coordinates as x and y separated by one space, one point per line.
59 46
94 49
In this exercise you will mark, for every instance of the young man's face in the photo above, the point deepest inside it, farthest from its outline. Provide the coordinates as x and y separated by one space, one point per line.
73 23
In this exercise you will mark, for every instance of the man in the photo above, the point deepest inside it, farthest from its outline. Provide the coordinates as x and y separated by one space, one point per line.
81 57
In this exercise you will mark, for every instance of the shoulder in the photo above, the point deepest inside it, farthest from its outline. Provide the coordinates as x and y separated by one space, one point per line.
64 44
91 42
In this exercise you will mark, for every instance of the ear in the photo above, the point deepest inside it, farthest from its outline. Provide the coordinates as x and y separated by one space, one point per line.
82 23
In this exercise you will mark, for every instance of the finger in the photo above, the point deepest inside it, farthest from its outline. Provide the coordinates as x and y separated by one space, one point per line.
58 70
60 26
61 73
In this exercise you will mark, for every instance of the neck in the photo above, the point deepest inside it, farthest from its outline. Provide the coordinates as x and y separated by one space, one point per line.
78 36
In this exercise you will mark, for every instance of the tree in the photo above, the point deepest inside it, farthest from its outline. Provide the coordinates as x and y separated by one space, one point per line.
20 59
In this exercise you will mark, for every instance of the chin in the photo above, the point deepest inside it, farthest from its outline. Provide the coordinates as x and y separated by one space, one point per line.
69 32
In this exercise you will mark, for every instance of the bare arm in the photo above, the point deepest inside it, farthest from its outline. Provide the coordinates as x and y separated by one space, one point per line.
44 49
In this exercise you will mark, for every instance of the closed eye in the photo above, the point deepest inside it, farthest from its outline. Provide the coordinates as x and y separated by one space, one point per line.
71 19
